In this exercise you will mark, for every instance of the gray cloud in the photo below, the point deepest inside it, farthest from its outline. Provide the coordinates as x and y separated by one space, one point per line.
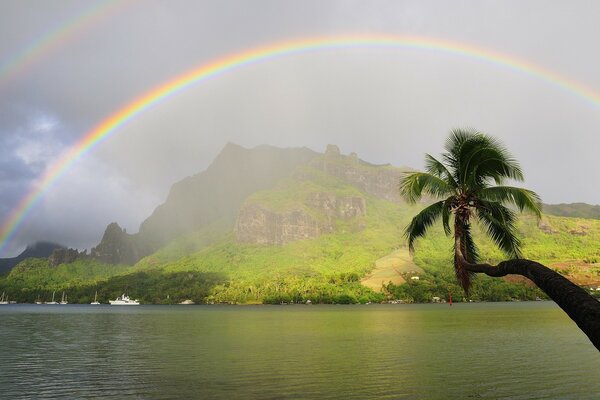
388 105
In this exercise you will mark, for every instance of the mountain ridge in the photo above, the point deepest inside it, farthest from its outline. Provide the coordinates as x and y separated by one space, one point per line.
41 249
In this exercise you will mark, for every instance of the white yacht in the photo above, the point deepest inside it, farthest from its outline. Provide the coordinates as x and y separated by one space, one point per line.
4 299
124 301
39 301
51 302
64 299
95 302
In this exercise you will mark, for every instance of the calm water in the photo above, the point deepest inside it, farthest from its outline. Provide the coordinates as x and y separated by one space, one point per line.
493 351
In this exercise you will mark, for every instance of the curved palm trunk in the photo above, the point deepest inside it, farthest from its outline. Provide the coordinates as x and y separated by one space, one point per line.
575 301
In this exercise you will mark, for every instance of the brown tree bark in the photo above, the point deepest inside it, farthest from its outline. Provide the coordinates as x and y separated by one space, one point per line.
579 305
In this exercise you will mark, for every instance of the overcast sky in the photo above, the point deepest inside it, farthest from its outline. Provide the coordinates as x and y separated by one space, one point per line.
388 105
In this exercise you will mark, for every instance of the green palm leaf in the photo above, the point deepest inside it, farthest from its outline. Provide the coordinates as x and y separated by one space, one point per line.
435 167
484 158
415 184
421 222
446 215
523 199
499 222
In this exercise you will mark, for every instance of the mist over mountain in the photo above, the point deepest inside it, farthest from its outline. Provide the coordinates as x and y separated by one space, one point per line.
271 225
212 197
218 198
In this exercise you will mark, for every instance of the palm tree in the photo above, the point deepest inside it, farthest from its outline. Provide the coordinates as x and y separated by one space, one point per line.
469 184
465 180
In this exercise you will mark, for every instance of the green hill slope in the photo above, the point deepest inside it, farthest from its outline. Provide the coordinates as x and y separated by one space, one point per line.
576 210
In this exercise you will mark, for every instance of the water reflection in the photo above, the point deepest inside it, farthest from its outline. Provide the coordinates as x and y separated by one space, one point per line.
416 351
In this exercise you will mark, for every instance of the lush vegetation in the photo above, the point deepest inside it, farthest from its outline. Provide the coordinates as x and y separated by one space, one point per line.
35 279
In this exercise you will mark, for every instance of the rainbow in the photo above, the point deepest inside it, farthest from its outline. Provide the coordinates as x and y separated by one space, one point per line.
111 125
56 38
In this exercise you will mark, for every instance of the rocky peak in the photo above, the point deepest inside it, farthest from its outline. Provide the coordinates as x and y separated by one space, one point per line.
64 256
377 180
332 150
116 246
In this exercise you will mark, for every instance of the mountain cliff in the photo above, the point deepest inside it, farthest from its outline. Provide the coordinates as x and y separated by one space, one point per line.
212 197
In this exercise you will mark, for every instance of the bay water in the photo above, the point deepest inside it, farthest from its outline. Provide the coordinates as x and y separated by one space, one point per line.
527 350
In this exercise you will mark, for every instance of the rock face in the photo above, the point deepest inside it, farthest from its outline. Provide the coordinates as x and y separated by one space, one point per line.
116 247
64 256
261 226
344 207
258 225
380 182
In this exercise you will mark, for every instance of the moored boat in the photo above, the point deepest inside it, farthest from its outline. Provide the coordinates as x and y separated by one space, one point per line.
64 299
187 302
124 301
51 302
4 299
95 302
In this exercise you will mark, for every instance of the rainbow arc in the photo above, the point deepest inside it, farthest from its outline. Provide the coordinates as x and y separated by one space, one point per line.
112 123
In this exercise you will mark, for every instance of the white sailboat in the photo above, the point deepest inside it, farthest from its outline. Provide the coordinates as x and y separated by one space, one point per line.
95 302
4 299
38 301
51 302
124 301
64 299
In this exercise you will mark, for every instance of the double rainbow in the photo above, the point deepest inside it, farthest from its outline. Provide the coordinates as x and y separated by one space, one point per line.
57 37
195 76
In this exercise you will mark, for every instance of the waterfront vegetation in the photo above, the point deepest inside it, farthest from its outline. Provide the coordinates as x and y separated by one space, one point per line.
327 269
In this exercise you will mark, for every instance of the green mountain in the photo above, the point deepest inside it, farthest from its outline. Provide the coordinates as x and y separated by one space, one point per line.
576 210
35 250
290 225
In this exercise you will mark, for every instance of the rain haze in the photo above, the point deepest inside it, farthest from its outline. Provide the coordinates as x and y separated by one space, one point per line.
389 105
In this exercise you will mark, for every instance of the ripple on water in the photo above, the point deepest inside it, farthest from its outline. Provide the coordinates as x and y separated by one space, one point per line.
494 351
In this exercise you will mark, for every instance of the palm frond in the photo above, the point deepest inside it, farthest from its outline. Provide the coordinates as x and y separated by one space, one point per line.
414 184
446 215
437 168
421 222
499 223
492 164
523 199
484 158
453 146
